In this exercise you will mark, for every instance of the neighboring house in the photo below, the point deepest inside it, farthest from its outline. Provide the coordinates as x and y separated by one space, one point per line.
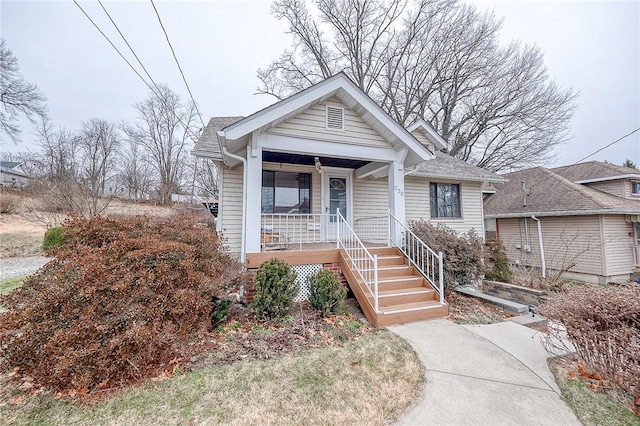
12 174
582 218
284 171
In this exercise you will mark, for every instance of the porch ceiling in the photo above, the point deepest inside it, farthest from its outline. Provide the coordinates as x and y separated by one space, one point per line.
308 160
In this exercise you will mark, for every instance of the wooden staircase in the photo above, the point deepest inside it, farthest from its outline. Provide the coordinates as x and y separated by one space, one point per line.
404 295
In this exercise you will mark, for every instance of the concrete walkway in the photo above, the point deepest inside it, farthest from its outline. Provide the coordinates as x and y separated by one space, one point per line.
11 267
483 375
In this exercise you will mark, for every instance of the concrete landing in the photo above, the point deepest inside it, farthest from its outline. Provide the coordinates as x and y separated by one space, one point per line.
507 305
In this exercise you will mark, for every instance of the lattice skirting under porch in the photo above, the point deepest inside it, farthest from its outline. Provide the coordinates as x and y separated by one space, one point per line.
303 272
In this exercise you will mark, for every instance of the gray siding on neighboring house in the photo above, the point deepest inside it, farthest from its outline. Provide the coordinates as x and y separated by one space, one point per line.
231 207
613 187
618 244
567 241
417 204
311 124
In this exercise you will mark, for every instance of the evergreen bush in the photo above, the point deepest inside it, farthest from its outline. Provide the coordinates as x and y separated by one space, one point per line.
52 238
497 261
326 292
275 289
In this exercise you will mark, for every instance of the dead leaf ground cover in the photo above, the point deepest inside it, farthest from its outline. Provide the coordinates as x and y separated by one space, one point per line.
303 369
468 310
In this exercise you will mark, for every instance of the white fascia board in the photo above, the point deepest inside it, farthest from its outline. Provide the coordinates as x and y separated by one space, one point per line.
283 108
290 144
559 213
627 176
437 140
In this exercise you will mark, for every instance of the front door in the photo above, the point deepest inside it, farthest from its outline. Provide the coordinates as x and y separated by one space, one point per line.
336 195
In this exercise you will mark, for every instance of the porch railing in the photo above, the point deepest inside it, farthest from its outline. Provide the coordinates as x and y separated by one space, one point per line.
425 260
362 261
290 231
372 229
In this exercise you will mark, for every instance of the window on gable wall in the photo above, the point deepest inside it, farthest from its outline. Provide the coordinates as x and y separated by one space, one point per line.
445 200
286 193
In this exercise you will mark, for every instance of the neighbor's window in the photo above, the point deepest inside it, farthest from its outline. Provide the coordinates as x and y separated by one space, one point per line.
445 200
635 187
287 193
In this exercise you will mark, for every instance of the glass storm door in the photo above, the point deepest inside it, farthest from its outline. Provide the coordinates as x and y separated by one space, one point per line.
336 197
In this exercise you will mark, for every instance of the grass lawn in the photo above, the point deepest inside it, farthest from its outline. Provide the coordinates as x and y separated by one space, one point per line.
591 408
370 380
8 285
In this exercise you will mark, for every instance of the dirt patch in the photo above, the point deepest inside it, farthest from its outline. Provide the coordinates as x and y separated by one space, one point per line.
20 236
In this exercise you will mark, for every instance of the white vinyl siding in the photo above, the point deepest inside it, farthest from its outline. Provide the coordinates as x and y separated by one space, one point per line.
567 241
231 207
417 204
618 245
420 136
311 124
370 198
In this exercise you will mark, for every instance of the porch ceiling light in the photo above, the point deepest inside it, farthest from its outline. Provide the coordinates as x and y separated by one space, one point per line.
318 164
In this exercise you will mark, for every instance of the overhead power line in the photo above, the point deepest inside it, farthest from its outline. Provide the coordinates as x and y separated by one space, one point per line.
159 94
177 62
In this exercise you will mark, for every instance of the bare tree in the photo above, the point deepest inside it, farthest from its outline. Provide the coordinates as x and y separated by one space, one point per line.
136 174
17 96
440 60
163 131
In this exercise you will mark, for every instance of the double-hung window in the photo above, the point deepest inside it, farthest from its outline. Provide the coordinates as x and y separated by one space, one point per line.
286 193
445 200
635 187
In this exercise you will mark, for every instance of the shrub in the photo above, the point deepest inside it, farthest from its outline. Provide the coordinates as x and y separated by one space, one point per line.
463 254
120 302
603 324
275 289
219 310
326 292
497 262
52 238
9 202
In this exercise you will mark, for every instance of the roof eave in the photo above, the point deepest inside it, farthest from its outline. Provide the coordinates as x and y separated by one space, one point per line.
558 213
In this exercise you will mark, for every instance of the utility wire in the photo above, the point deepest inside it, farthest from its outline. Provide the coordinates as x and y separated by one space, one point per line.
177 62
588 156
159 95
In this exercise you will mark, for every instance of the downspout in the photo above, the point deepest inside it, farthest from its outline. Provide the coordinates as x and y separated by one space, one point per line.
544 265
244 199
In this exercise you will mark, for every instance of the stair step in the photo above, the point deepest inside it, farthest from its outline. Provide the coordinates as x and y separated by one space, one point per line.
405 295
409 307
404 291
383 250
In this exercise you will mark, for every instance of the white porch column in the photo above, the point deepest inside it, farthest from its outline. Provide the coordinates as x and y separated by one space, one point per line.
254 199
396 196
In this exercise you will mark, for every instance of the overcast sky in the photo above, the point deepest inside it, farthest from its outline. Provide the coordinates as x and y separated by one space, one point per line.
593 47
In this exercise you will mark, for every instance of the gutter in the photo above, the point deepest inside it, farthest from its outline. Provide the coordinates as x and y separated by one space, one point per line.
541 243
243 244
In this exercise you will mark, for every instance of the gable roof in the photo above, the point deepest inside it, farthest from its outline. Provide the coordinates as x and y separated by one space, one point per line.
421 125
9 164
595 171
207 144
446 167
549 194
339 86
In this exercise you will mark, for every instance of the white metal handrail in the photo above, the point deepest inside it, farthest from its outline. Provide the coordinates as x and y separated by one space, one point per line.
419 254
362 261
281 231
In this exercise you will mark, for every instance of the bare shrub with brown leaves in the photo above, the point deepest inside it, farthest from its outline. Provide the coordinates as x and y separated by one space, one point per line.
603 324
9 202
120 302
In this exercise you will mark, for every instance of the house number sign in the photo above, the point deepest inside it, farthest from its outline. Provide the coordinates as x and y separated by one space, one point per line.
398 190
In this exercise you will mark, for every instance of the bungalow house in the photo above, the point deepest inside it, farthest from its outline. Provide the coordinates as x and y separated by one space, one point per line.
583 219
12 174
326 179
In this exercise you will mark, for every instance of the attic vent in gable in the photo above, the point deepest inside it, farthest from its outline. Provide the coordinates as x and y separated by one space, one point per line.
335 118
